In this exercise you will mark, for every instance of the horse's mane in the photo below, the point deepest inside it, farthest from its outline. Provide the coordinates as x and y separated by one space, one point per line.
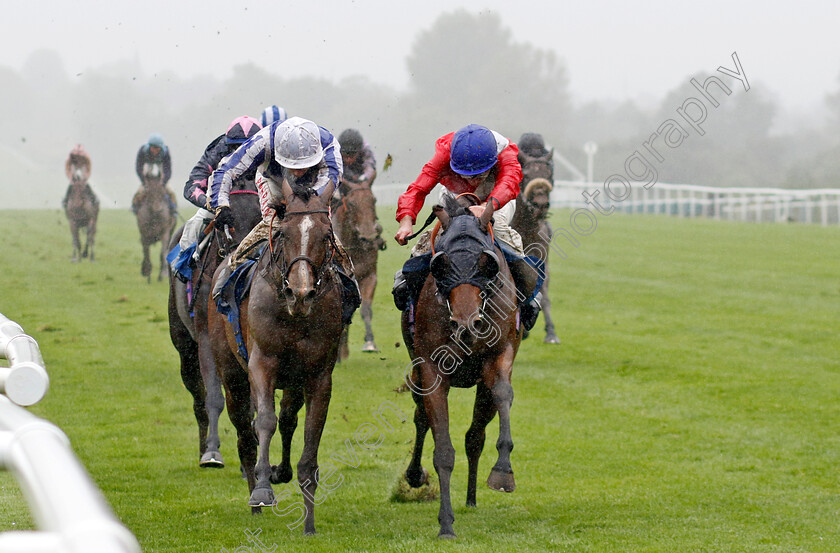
303 193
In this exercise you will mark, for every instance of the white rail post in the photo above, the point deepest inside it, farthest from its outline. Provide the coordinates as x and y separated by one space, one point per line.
68 508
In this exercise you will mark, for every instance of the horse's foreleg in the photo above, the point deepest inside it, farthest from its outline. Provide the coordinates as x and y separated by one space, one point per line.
214 402
367 288
238 397
483 412
91 236
545 303
146 266
77 244
164 266
437 413
262 370
415 474
501 475
287 424
317 394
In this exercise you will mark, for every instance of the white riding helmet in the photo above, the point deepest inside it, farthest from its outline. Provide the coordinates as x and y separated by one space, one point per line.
297 144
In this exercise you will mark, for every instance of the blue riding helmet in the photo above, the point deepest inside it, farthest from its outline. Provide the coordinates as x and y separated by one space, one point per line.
272 114
156 140
473 150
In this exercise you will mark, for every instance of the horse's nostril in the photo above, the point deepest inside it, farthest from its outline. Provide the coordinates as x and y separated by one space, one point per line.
310 295
479 325
453 325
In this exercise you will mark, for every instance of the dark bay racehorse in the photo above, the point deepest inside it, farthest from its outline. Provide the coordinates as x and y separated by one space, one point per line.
355 225
531 221
465 335
154 218
82 212
188 322
291 323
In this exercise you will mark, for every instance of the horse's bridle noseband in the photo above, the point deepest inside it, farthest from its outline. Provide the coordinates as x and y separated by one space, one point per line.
319 271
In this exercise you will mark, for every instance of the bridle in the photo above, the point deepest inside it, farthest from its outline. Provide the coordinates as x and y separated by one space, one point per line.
285 268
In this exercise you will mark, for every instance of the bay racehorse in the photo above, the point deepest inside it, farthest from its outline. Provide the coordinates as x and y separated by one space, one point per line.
291 323
188 329
465 333
355 225
154 218
82 212
531 222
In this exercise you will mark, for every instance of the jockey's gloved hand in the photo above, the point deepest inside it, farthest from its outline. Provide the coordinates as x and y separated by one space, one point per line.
224 216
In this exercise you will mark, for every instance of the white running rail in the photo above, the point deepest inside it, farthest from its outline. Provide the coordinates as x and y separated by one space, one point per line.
68 508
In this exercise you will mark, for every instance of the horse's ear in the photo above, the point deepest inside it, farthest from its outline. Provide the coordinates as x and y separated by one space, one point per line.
439 265
327 194
488 264
487 215
442 215
287 191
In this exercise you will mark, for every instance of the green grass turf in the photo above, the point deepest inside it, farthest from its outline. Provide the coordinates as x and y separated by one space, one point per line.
692 406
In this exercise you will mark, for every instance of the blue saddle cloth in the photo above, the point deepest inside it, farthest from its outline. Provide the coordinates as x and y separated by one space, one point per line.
181 261
234 292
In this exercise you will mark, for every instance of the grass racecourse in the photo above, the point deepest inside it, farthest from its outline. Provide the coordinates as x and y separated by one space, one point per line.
692 406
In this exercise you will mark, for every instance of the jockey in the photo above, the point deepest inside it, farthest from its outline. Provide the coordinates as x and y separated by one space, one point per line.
195 190
154 151
359 167
272 114
297 151
532 147
477 160
77 169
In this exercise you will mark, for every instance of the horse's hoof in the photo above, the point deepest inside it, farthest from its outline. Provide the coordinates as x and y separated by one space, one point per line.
551 339
256 511
212 460
447 534
370 346
501 481
280 474
416 479
261 497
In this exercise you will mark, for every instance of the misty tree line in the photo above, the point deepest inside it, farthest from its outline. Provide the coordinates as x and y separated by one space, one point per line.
466 68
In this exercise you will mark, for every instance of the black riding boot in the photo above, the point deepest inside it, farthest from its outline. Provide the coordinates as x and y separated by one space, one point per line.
525 279
351 297
400 291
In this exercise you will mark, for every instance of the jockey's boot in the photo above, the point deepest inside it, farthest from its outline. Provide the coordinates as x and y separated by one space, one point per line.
221 280
351 297
401 293
525 279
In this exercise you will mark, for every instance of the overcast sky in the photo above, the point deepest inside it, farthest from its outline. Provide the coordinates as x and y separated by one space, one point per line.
612 49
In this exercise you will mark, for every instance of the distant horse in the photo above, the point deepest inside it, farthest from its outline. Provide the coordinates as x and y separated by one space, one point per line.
82 212
465 334
355 225
154 218
188 322
531 221
291 323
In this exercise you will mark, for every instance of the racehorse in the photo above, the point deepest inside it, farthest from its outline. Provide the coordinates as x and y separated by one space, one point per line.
531 222
355 225
82 212
188 321
466 333
154 218
291 323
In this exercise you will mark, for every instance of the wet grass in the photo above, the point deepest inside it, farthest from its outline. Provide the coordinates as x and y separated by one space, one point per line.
692 405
